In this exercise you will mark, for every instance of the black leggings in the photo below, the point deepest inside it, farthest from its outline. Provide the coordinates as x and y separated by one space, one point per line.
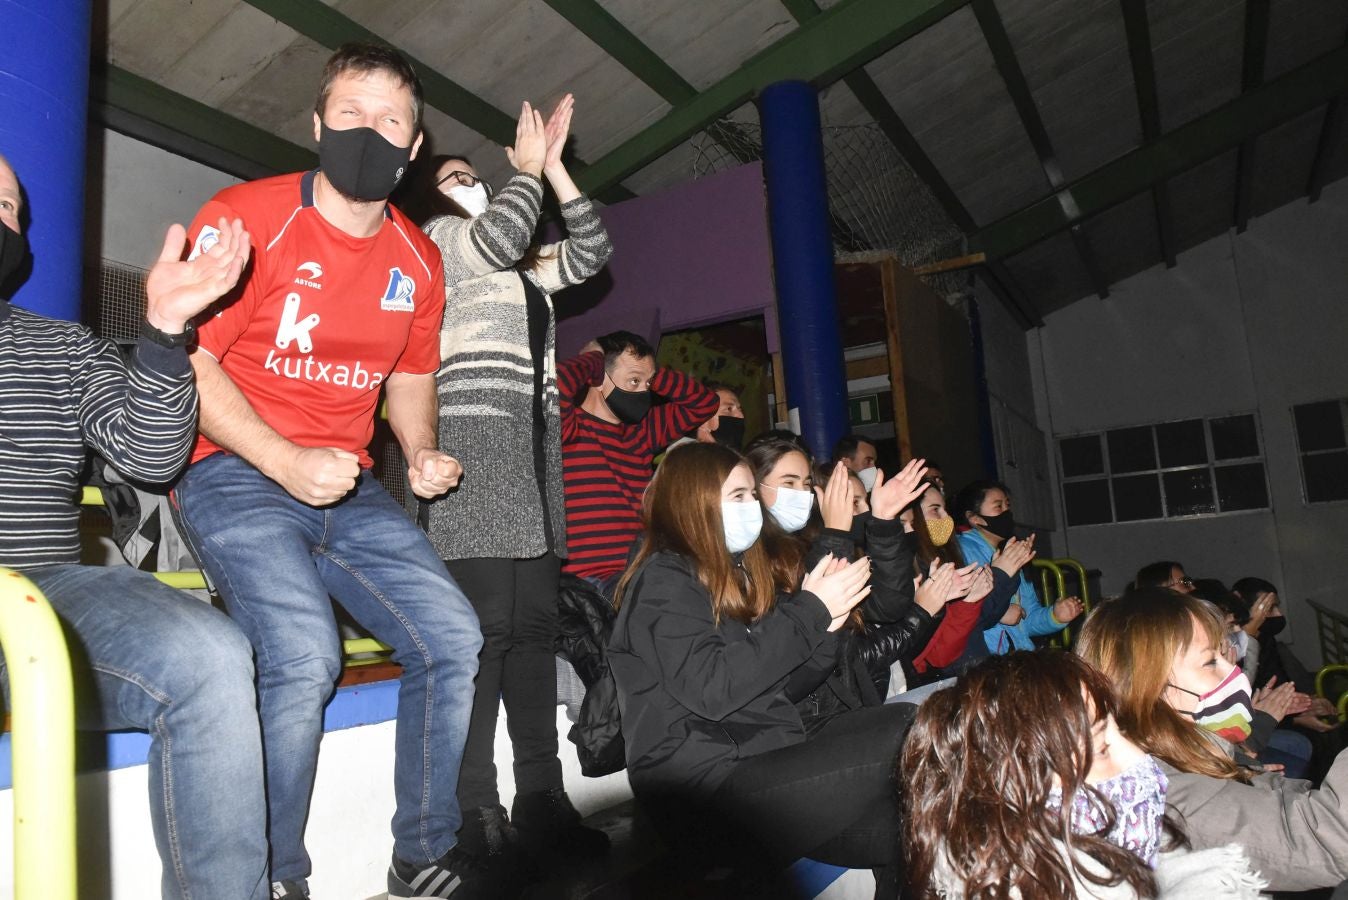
516 603
833 798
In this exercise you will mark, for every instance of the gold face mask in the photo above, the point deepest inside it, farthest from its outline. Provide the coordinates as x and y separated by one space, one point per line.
940 530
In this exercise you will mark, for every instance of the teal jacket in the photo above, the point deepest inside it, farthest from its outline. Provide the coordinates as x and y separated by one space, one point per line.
1038 619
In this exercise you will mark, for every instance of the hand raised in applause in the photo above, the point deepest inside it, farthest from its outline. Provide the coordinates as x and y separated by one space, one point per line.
840 585
889 498
177 289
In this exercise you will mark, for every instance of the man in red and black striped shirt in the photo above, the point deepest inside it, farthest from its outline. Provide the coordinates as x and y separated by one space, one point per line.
611 433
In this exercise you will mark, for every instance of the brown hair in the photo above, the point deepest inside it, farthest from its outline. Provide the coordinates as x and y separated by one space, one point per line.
362 58
926 550
681 514
978 766
1133 640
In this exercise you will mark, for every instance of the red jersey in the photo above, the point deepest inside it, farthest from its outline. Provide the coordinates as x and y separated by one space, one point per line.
322 317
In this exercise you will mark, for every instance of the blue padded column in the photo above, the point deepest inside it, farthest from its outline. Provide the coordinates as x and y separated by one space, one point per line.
44 95
802 257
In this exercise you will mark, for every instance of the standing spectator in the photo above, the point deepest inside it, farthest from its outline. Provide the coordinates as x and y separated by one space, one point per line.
344 296
725 427
152 658
611 432
498 410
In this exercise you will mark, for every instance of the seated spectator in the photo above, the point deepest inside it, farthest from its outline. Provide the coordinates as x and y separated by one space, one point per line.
1018 783
726 426
1162 651
851 670
702 650
931 530
985 506
1163 574
859 455
611 432
935 475
1268 745
1279 665
146 656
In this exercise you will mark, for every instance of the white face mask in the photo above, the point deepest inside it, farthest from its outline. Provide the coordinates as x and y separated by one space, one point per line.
792 508
867 476
742 522
472 199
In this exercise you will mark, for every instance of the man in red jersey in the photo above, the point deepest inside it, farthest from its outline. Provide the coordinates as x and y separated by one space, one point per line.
344 297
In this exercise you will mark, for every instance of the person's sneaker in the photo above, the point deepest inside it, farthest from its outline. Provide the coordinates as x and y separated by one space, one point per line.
455 876
548 823
289 890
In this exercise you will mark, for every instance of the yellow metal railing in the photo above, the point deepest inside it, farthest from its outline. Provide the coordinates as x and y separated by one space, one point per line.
42 742
357 652
1053 587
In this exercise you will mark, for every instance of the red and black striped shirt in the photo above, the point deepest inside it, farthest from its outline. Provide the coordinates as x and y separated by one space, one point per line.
606 465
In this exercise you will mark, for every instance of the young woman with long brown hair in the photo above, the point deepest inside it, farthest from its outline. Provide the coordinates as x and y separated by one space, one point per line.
1018 784
701 652
957 642
1163 652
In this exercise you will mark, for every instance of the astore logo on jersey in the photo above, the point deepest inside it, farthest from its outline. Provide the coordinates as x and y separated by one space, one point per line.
398 294
309 273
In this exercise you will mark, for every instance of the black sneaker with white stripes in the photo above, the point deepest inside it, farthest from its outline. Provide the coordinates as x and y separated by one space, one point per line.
457 875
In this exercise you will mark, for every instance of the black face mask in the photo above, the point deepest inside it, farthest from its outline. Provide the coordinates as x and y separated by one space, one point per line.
859 529
729 433
1004 525
629 406
13 251
360 162
1272 627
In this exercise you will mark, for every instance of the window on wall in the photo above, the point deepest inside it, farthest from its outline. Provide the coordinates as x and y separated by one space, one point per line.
1196 467
1323 450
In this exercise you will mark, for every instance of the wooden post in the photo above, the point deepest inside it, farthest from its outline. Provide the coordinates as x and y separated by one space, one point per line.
897 388
782 412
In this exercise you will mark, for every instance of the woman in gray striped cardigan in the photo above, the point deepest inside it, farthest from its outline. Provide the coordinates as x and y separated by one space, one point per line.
502 531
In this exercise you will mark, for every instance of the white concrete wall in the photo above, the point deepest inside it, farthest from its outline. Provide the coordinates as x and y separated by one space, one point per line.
348 833
1252 322
135 192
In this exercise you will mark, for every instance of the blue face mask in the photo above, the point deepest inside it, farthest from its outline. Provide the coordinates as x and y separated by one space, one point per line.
792 508
742 523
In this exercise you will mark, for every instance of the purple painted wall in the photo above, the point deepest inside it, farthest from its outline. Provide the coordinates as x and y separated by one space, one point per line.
695 254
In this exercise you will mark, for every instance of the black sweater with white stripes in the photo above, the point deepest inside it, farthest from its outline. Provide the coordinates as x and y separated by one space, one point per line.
63 391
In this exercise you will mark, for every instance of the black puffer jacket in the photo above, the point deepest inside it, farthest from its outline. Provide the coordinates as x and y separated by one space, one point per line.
697 696
846 670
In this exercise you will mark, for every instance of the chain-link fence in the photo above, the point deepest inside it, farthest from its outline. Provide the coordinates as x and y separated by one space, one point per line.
876 202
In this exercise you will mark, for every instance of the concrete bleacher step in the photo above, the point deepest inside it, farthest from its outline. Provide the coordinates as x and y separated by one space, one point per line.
639 867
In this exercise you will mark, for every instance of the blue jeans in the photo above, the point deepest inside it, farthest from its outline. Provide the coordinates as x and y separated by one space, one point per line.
149 657
276 561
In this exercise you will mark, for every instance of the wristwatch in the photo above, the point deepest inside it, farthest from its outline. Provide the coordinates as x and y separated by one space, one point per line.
164 339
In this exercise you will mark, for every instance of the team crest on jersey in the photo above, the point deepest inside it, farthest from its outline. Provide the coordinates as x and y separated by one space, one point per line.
207 239
398 294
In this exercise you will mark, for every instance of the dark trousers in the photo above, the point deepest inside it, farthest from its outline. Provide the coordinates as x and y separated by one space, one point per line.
833 798
516 603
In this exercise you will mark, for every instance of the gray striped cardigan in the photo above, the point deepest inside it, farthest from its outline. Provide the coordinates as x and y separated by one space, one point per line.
486 382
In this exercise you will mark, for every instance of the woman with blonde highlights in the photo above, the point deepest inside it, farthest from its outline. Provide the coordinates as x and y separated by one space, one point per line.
1162 652
1018 784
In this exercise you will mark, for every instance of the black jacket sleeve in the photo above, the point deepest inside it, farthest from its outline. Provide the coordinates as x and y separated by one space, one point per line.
830 540
997 602
816 670
891 572
708 674
882 645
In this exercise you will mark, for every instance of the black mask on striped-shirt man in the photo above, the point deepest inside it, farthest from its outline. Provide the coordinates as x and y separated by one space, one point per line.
13 251
629 406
